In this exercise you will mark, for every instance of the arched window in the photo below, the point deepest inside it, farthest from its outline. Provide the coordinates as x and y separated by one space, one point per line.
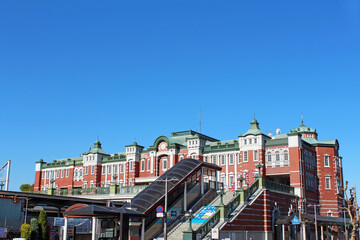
269 156
277 156
286 155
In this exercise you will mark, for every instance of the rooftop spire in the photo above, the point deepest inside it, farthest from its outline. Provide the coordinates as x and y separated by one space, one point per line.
302 119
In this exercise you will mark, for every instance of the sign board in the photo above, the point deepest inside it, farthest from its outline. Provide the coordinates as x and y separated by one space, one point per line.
59 222
159 214
215 233
295 220
173 213
3 232
159 209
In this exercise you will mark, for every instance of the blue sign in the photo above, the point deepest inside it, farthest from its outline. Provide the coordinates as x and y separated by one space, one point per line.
59 222
3 232
295 220
159 209
173 213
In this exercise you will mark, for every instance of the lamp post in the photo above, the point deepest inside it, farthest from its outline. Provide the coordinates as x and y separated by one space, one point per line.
259 166
346 233
315 213
221 193
299 207
166 180
189 216
241 179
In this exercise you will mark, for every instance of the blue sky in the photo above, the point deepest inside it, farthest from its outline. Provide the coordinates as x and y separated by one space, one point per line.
73 71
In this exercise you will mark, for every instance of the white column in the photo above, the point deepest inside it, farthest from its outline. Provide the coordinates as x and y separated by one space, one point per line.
185 196
283 231
152 164
322 232
304 231
65 229
202 181
171 158
93 231
143 229
227 171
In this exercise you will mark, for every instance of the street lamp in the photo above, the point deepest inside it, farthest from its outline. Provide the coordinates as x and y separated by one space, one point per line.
259 166
190 216
315 213
166 180
221 193
241 179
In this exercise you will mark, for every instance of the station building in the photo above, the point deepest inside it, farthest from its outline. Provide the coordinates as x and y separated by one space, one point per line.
296 159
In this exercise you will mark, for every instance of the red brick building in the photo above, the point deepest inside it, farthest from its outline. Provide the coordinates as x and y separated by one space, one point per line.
297 159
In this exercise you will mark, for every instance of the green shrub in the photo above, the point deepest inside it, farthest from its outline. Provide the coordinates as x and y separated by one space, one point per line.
34 228
26 231
42 220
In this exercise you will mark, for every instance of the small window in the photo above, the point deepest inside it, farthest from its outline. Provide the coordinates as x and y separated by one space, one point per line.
67 173
326 161
143 165
193 156
222 179
327 183
115 168
256 157
80 172
255 140
85 185
250 142
148 165
57 173
222 159
214 159
164 162
86 170
231 159
131 167
109 169
62 173
277 156
121 168
206 159
43 175
91 184
329 214
181 157
231 179
286 156
92 170
244 141
269 156
245 156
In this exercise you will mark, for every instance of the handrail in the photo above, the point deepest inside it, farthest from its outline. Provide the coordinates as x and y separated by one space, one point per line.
252 189
234 203
279 187
209 224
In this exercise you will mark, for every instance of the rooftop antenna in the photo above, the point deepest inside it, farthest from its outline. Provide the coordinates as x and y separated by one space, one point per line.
254 116
90 145
302 119
200 122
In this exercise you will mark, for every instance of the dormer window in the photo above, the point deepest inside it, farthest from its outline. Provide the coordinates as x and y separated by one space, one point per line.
245 141
255 140
250 142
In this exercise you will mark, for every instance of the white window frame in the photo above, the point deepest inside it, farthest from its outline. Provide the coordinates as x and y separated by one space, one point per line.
164 166
43 174
286 156
92 170
213 159
256 155
109 169
326 161
121 168
148 165
103 170
131 166
223 159
86 170
67 173
246 157
62 173
142 165
327 182
277 157
231 159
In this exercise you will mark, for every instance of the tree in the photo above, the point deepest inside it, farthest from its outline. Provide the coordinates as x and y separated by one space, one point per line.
42 220
34 228
352 208
26 187
26 231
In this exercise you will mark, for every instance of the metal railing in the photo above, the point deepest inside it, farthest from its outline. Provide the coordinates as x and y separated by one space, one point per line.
252 189
279 187
209 224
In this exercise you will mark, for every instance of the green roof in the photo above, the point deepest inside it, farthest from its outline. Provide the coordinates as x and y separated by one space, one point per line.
326 143
303 129
97 149
276 142
221 146
254 129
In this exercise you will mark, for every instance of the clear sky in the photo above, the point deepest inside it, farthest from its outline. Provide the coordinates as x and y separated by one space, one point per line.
75 71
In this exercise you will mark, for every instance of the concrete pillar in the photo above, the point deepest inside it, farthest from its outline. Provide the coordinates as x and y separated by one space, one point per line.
143 229
65 229
322 232
185 197
93 230
202 181
283 232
